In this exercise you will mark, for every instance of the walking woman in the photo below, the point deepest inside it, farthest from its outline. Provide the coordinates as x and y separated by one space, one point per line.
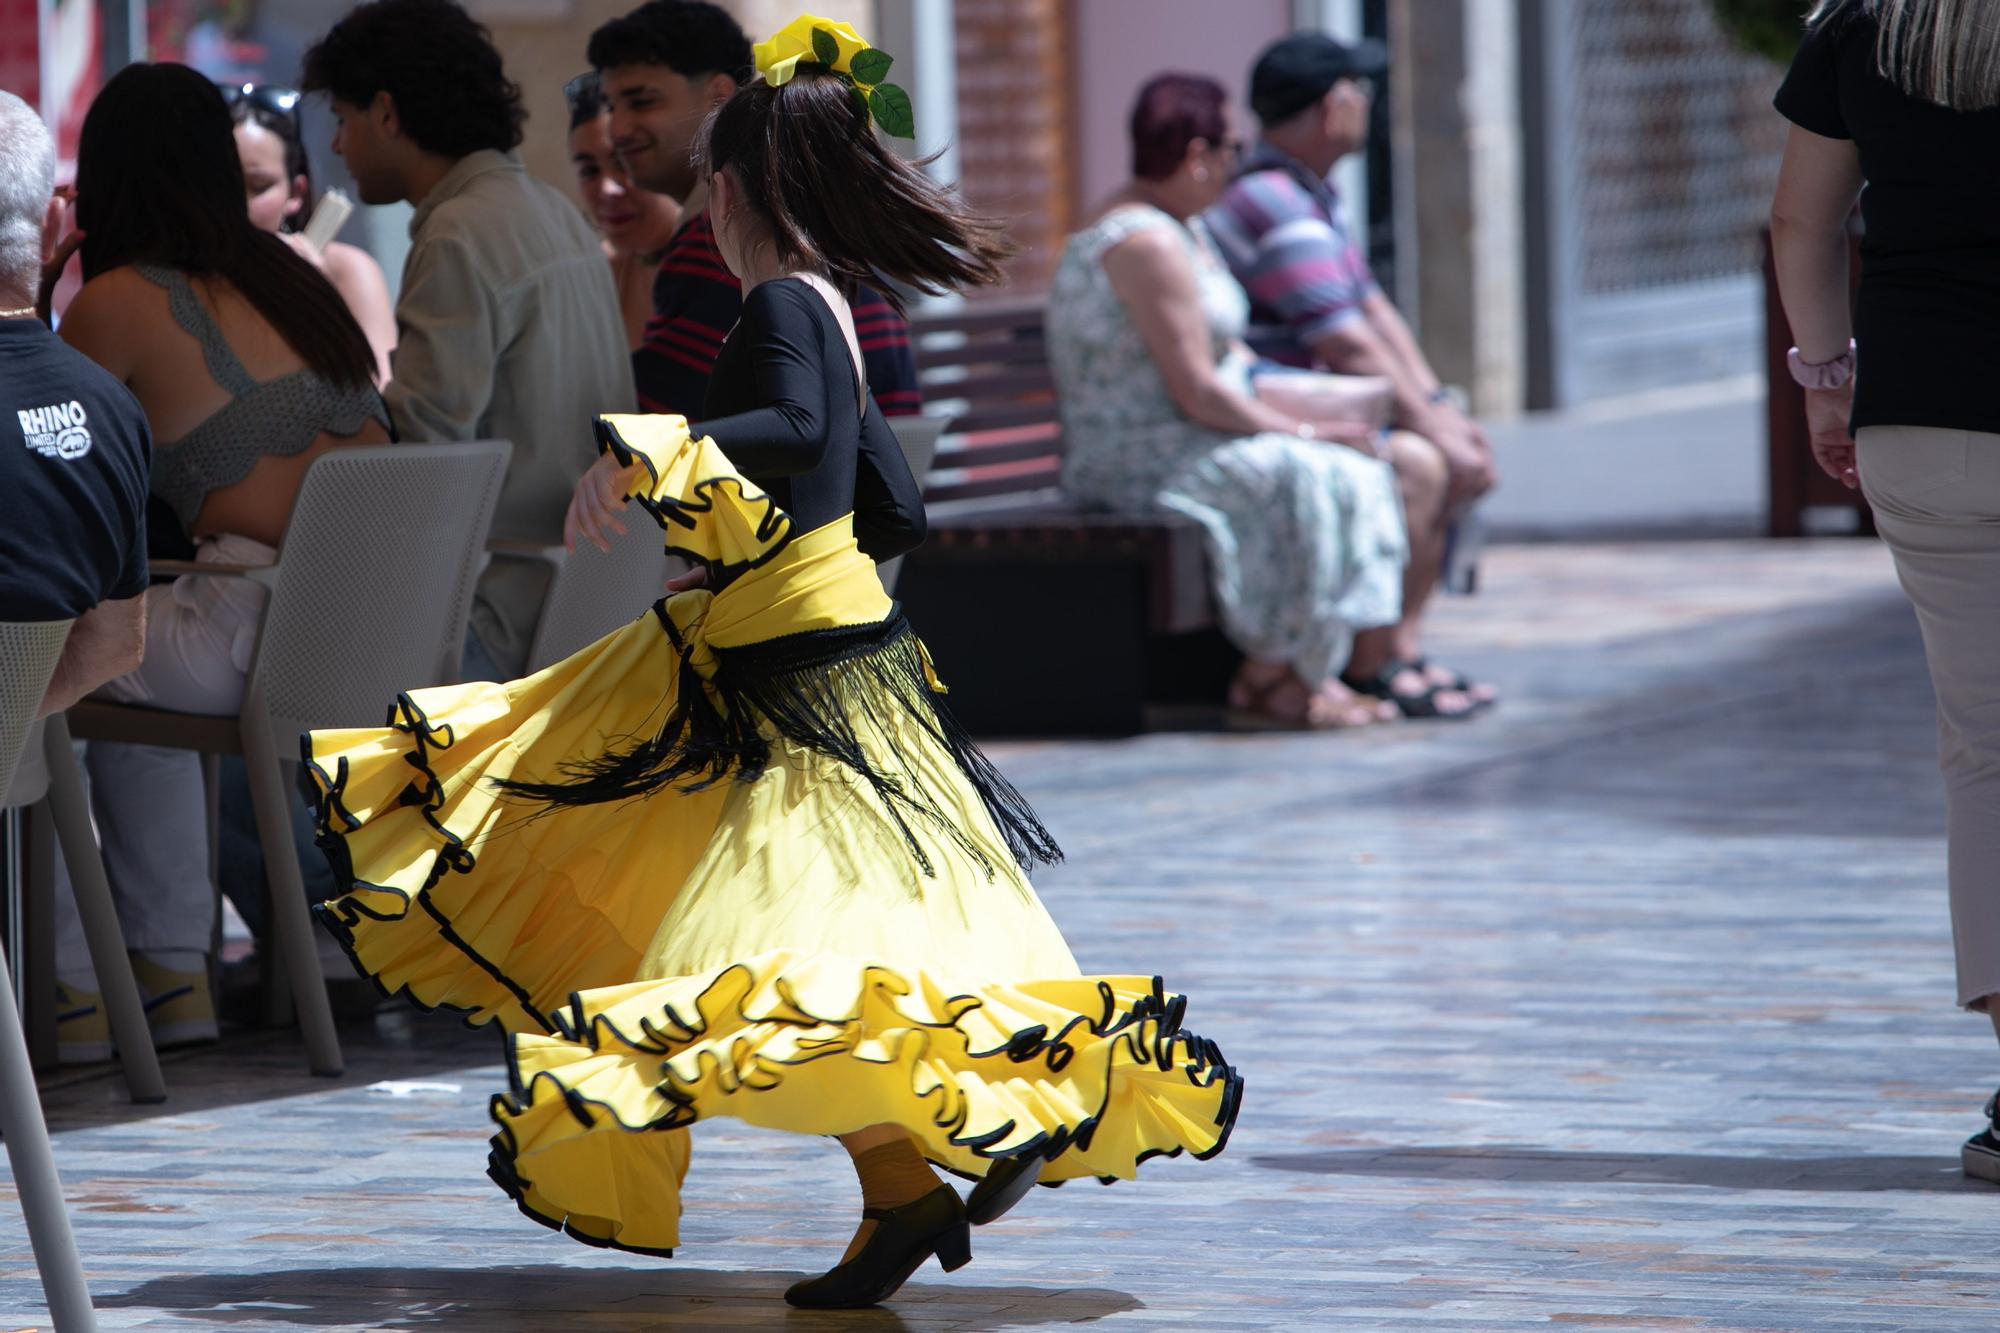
1903 96
737 859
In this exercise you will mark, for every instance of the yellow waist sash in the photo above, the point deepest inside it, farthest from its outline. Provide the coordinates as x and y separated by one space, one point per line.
818 581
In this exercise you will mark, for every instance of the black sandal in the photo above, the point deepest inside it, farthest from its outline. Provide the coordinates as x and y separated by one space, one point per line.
1421 705
1459 681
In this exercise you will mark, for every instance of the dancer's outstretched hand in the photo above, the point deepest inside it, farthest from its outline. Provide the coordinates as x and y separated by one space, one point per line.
594 504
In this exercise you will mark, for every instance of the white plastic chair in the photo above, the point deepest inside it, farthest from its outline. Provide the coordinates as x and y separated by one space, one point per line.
369 597
47 776
593 592
919 438
28 656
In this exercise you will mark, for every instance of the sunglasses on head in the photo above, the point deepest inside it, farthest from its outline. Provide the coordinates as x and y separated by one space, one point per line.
582 88
263 96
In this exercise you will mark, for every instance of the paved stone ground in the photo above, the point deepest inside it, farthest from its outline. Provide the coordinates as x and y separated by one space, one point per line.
1627 1007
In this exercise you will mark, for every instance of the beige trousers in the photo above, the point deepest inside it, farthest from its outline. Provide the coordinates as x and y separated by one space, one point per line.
1936 496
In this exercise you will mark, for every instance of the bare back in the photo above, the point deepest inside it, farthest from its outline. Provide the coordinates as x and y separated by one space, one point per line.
237 417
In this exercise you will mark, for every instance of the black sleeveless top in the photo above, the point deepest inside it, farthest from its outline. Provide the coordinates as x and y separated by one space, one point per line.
785 404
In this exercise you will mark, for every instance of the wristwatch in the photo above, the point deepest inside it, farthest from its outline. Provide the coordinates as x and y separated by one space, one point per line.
1822 374
1307 431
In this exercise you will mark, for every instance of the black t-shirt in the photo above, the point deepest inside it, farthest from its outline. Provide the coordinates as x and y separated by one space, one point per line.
1927 320
74 459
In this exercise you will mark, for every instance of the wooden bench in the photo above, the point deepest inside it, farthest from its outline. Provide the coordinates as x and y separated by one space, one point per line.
1046 618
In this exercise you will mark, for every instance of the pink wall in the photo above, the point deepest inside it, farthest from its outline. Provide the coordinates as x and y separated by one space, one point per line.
1122 43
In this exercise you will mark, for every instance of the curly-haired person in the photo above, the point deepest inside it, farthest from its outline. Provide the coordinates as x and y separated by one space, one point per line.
508 324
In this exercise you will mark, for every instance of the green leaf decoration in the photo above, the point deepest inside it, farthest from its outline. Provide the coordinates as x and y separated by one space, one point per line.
892 110
860 101
871 66
826 47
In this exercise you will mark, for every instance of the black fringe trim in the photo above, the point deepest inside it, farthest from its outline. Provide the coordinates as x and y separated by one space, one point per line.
795 685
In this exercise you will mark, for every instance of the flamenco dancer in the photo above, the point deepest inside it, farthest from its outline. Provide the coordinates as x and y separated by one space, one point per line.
736 859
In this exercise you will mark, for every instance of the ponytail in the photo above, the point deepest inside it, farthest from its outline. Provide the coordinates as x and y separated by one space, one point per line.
836 199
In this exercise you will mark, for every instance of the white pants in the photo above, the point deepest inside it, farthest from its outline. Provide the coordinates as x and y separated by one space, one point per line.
151 817
1936 496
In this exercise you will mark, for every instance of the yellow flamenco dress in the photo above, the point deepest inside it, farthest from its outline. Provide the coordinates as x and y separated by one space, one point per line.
735 859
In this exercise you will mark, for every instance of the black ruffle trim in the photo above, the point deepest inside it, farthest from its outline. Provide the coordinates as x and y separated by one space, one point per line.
500 1170
1150 1030
774 525
332 822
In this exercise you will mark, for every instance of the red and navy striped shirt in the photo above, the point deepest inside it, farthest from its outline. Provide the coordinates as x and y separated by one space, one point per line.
696 302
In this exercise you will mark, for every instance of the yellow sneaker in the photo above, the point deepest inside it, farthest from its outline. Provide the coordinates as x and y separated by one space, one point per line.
180 1007
83 1033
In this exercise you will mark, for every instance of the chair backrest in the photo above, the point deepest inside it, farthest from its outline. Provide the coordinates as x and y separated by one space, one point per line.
595 592
375 575
28 655
984 369
918 437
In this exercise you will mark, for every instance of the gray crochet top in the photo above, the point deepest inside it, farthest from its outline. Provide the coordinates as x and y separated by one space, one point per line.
279 417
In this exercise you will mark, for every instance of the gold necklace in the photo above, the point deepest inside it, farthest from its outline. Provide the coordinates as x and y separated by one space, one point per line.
18 314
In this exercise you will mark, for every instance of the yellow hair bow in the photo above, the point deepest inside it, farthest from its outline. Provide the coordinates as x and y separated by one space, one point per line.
840 50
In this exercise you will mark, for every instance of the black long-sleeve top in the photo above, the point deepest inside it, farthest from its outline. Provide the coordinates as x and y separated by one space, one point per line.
785 404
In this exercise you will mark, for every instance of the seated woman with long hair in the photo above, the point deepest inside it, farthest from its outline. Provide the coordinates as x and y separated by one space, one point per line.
249 366
277 181
1161 410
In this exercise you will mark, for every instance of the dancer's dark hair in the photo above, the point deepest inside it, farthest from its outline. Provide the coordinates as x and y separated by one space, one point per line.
452 93
836 199
158 181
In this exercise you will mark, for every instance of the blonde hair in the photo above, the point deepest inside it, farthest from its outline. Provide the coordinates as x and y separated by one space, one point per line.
1946 52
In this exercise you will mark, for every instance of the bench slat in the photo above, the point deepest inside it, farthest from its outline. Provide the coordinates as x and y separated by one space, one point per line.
1029 478
958 455
982 318
1020 352
986 386
1006 417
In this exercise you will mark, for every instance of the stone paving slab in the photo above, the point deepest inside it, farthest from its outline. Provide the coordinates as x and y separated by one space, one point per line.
1626 1007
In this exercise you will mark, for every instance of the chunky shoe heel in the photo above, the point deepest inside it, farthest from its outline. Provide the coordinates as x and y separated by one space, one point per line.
954 1248
904 1237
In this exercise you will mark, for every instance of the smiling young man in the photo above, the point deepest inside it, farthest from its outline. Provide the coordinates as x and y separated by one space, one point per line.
508 323
662 69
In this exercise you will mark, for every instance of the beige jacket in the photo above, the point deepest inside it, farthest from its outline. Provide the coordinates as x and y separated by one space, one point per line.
508 328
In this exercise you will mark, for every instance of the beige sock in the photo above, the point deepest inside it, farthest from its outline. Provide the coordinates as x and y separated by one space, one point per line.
891 1176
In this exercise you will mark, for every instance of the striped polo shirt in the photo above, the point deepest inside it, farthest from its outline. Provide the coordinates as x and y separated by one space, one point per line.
697 301
1285 235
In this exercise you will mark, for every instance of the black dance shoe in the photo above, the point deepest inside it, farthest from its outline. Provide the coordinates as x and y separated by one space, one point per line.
904 1237
1006 1183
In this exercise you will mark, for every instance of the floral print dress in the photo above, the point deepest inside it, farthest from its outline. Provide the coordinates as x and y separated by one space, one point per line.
1305 539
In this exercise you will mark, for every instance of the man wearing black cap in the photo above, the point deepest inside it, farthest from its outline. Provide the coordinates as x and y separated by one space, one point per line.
1314 304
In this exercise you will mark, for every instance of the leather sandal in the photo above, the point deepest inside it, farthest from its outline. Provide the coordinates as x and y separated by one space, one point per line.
1459 681
1421 705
